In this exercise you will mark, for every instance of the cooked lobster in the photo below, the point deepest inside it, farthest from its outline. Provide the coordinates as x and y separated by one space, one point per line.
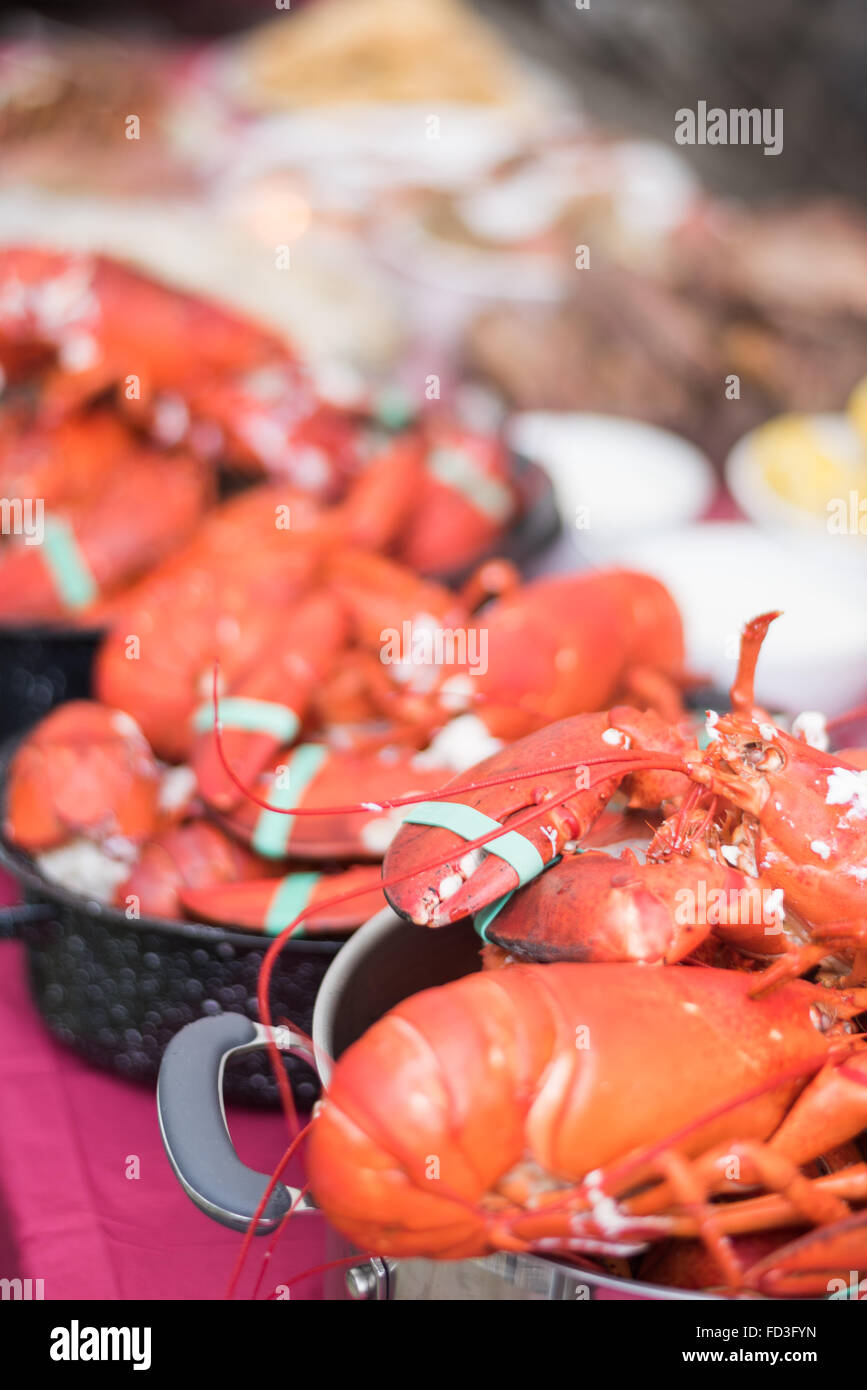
593 1109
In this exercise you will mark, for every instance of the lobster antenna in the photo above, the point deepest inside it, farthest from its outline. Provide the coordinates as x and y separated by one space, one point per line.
275 1239
741 695
250 1232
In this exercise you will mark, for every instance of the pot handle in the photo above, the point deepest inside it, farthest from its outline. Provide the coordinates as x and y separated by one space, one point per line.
193 1121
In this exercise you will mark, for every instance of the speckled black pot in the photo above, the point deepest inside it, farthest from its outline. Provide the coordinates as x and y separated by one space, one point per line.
117 990
40 667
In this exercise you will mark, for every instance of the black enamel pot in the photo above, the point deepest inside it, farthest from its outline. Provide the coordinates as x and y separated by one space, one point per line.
117 990
41 666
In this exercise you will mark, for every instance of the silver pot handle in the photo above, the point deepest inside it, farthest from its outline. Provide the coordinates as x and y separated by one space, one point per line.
193 1122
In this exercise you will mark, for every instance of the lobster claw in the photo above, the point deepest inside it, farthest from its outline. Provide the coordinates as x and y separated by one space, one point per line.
441 880
84 770
320 779
597 907
264 709
271 904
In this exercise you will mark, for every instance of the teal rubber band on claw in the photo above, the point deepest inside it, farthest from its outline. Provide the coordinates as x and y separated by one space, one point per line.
291 897
68 568
471 824
273 828
483 919
253 716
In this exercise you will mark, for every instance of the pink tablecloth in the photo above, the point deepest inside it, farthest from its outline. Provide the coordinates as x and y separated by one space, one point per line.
70 1215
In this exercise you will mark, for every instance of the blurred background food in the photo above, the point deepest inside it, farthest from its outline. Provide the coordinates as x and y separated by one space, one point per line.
379 51
474 217
381 380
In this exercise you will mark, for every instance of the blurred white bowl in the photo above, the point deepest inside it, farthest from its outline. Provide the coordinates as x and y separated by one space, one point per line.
812 532
614 478
723 573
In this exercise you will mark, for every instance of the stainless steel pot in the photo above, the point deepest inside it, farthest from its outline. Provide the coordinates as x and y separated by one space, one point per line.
384 962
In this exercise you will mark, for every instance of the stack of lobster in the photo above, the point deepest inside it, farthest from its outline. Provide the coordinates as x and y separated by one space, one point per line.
170 796
640 1076
126 402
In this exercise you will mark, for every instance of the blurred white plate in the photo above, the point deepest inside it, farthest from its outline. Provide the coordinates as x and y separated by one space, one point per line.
614 478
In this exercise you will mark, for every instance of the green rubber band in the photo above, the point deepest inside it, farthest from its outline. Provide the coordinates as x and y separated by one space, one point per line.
482 920
471 824
66 564
394 409
273 828
254 716
291 897
459 470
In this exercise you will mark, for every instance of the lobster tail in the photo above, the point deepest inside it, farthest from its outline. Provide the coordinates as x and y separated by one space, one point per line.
403 1177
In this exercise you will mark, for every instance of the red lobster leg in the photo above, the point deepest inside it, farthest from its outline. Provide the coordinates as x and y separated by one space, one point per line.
688 1264
768 1232
834 1107
271 904
816 1264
